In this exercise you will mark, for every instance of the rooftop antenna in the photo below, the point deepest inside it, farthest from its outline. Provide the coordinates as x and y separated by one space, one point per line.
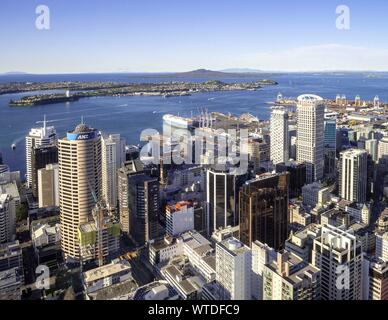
82 120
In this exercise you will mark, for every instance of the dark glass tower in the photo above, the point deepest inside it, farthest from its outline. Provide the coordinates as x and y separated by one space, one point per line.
264 210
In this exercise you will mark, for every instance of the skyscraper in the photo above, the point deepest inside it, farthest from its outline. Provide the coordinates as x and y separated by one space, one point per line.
338 254
233 269
310 135
279 135
353 175
330 145
43 136
40 157
129 168
79 159
264 210
371 145
143 208
7 218
222 198
48 186
112 156
297 176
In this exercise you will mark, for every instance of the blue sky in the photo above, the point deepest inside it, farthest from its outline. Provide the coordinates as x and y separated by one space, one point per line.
179 35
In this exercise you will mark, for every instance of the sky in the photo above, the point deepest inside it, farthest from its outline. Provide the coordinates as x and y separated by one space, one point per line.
182 35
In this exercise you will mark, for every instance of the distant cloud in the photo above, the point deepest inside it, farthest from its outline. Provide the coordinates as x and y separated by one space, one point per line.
321 57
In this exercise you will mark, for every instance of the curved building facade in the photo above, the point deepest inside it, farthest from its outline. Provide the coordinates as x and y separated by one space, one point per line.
79 159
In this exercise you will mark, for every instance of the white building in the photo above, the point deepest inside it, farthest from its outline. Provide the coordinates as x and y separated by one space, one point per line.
95 281
112 157
48 186
353 175
315 195
382 153
382 246
279 136
288 277
43 136
233 269
179 218
172 123
371 146
262 254
7 218
338 254
193 245
183 278
45 234
310 135
360 212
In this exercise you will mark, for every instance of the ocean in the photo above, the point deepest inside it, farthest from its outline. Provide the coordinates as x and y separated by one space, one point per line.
130 115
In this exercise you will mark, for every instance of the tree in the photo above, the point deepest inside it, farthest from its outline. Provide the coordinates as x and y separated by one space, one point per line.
21 212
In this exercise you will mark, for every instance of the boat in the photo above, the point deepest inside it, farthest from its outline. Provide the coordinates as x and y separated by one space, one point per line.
13 146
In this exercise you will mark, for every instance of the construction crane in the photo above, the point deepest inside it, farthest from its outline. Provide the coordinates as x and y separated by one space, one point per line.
99 217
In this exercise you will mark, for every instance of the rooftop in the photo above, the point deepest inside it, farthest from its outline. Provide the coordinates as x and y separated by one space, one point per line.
106 271
309 98
234 246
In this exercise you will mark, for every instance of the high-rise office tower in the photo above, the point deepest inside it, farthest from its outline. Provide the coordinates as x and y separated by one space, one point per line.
143 208
382 152
7 218
233 269
382 246
40 157
222 198
112 156
377 280
3 167
79 159
297 176
264 210
129 168
48 186
279 135
43 136
310 135
371 145
330 146
338 254
353 175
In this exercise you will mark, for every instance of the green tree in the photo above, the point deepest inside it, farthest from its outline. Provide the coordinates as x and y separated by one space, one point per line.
21 212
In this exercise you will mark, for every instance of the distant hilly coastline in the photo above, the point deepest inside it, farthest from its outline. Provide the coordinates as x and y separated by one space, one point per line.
205 73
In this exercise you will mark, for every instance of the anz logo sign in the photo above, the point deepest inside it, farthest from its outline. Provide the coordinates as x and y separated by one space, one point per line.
81 136
84 136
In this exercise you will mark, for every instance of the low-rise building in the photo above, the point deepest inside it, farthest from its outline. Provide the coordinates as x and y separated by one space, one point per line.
156 291
10 284
183 278
315 194
301 243
109 281
290 278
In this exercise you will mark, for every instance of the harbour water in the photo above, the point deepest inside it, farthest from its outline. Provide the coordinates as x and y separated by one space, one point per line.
130 115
